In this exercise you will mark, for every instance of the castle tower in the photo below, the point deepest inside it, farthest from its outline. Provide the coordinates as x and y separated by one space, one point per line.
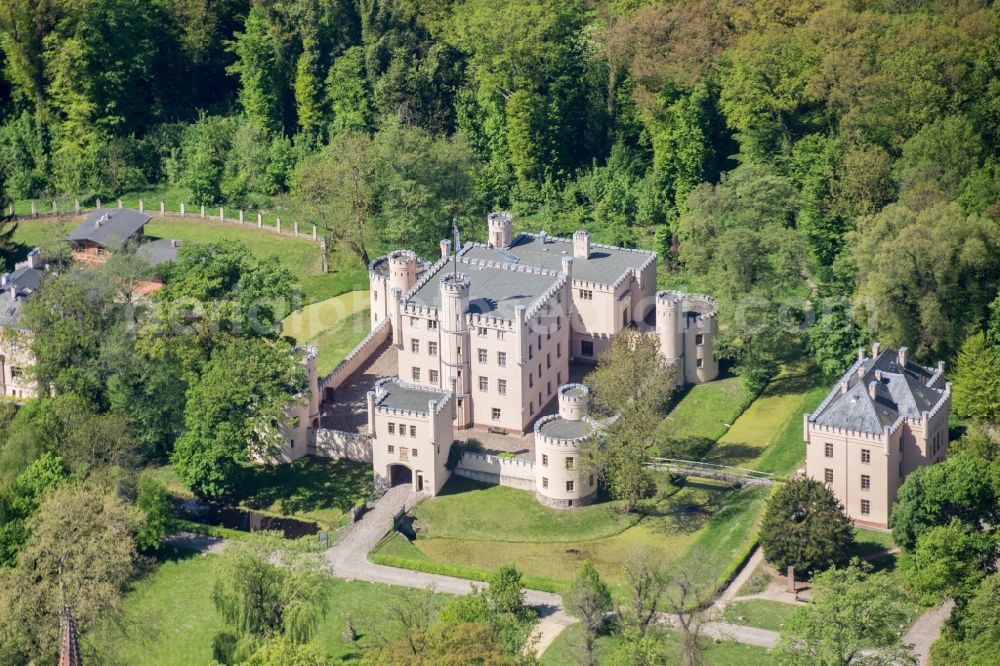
581 244
501 228
561 479
455 343
402 270
670 330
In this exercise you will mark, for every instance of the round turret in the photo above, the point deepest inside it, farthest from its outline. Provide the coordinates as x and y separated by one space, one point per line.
402 270
573 400
501 228
561 479
686 326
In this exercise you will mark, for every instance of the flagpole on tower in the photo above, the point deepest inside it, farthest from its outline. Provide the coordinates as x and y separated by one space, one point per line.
458 240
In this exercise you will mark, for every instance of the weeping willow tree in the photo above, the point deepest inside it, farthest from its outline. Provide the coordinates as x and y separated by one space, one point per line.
265 593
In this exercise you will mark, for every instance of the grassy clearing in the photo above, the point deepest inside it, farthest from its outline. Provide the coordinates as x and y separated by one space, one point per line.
169 619
313 489
484 527
761 613
758 581
565 651
703 414
299 255
333 326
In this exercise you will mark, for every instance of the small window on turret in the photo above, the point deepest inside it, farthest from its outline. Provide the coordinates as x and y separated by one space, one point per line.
699 339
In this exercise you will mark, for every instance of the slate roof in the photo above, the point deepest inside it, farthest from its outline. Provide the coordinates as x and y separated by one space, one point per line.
560 428
24 281
605 265
493 291
899 391
158 251
110 227
395 394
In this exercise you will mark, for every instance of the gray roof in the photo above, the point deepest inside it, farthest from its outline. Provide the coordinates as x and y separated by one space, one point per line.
158 251
492 290
110 227
561 428
605 265
24 282
899 391
399 395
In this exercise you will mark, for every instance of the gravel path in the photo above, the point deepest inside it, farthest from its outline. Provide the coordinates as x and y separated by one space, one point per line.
926 630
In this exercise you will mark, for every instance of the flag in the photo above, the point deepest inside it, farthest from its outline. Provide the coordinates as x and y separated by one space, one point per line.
458 236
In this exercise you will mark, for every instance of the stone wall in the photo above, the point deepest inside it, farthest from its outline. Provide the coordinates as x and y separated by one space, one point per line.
358 356
325 443
512 472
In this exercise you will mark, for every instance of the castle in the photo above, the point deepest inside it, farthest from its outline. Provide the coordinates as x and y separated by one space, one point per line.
886 417
486 336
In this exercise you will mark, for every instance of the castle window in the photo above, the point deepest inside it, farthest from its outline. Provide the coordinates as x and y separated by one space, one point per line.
866 508
375 295
482 332
432 324
392 428
866 482
624 318
496 414
414 322
414 452
433 376
545 460
484 384
531 355
699 339
591 480
545 482
432 348
539 343
548 360
502 386
569 486
415 346
482 356
586 348
416 374
502 359
559 377
866 456
392 449
586 295
531 407
531 380
501 335
413 431
570 463
828 450
700 363
827 475
558 350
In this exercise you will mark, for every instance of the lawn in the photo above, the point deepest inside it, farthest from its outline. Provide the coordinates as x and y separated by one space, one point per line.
702 414
300 255
565 651
703 524
313 489
169 618
762 613
333 326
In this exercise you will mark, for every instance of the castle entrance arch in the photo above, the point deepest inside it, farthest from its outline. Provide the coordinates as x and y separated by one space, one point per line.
400 475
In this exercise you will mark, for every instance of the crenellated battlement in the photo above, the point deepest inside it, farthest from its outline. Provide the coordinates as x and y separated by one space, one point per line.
704 305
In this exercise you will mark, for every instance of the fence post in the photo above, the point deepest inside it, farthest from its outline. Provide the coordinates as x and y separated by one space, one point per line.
314 232
295 227
98 203
12 211
163 208
34 210
182 209
120 203
76 206
241 216
222 214
203 210
55 208
279 224
142 206
260 219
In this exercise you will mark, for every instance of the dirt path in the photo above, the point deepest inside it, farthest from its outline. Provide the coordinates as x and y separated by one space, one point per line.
926 630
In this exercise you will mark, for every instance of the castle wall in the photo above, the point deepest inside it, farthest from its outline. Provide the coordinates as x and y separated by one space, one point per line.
337 444
511 472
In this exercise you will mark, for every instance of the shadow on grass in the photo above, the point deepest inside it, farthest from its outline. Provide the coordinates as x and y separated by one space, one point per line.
308 484
733 453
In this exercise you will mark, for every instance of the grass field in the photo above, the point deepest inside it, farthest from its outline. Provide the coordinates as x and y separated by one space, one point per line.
314 489
761 613
703 414
703 524
565 651
333 326
169 618
299 255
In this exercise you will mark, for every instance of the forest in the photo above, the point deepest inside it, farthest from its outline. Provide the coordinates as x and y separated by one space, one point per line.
829 168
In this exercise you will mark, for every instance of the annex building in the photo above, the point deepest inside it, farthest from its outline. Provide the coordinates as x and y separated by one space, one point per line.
485 337
886 417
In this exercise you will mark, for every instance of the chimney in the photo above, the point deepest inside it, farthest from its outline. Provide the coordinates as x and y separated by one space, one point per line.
861 371
581 244
33 258
567 266
875 347
940 367
861 353
843 386
445 248
872 389
902 357
13 291
3 279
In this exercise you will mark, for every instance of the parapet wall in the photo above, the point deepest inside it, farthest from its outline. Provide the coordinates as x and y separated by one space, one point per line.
486 468
339 444
358 356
